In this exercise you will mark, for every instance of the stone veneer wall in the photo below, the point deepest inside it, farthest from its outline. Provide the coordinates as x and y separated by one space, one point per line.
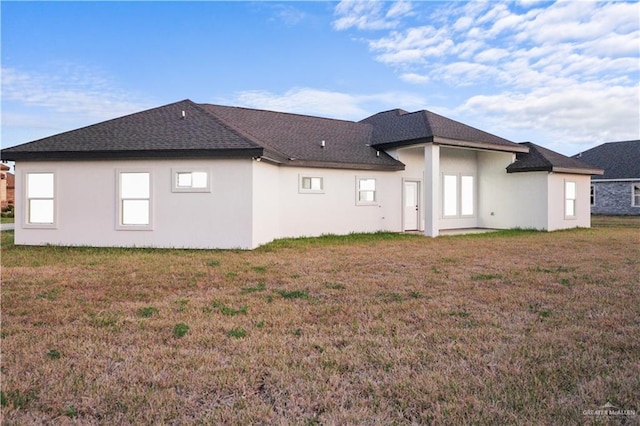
614 198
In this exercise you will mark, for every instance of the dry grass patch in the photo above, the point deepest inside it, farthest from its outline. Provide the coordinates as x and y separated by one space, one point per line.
504 328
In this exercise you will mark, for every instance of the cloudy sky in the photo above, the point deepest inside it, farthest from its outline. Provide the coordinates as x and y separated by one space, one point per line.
563 74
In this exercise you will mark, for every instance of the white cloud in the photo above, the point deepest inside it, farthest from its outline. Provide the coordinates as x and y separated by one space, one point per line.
568 67
587 113
74 90
325 103
415 78
369 15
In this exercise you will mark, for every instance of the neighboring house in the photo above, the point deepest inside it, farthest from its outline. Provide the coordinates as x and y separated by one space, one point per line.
7 187
206 176
616 192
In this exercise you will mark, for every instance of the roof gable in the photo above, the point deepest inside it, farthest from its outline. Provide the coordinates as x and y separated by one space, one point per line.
543 159
401 128
620 160
178 129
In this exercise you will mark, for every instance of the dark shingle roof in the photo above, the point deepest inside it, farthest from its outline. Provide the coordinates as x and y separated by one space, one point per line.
211 130
299 137
401 128
543 159
620 160
156 132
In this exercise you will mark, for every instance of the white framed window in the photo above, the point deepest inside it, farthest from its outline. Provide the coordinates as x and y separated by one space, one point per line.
134 200
592 195
569 199
458 195
635 202
191 180
366 192
311 185
40 199
450 195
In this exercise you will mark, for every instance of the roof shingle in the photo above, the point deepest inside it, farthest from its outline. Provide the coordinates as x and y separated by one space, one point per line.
620 160
400 128
543 159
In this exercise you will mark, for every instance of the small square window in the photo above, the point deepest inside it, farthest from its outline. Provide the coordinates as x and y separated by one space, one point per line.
190 181
311 184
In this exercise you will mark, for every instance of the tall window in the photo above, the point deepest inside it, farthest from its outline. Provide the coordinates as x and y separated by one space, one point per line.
458 195
40 198
636 194
593 195
366 191
569 199
135 200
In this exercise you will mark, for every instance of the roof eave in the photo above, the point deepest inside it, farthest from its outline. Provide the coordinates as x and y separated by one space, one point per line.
350 166
132 154
578 171
565 170
453 142
481 145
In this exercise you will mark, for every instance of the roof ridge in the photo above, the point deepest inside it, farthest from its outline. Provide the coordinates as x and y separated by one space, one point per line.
316 117
242 132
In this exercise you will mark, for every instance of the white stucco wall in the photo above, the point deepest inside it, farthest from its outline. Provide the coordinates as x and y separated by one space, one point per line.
557 219
335 210
266 203
86 199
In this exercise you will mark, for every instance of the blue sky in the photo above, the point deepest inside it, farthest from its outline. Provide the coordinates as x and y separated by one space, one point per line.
565 75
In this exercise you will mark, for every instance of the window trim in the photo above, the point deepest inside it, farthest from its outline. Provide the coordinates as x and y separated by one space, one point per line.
27 201
119 201
459 196
634 195
573 200
302 190
174 179
592 195
359 202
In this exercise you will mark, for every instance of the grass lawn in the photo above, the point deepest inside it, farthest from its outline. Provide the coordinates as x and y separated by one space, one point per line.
512 327
7 219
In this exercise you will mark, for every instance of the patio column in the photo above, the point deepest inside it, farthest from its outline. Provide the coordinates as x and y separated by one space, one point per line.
431 185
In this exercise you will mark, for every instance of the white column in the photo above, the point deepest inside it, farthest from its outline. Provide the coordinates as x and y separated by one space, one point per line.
431 185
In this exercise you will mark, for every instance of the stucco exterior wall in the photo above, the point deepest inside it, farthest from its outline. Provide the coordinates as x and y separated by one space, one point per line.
86 203
335 209
266 203
615 198
557 217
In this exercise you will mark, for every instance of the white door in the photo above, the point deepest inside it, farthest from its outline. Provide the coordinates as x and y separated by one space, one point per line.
411 206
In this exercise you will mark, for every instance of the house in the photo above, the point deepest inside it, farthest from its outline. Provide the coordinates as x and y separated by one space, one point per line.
191 175
616 192
7 187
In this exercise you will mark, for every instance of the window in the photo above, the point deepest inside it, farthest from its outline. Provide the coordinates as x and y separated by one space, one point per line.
40 207
135 200
569 199
458 195
593 195
636 195
366 191
450 199
466 195
191 181
310 185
